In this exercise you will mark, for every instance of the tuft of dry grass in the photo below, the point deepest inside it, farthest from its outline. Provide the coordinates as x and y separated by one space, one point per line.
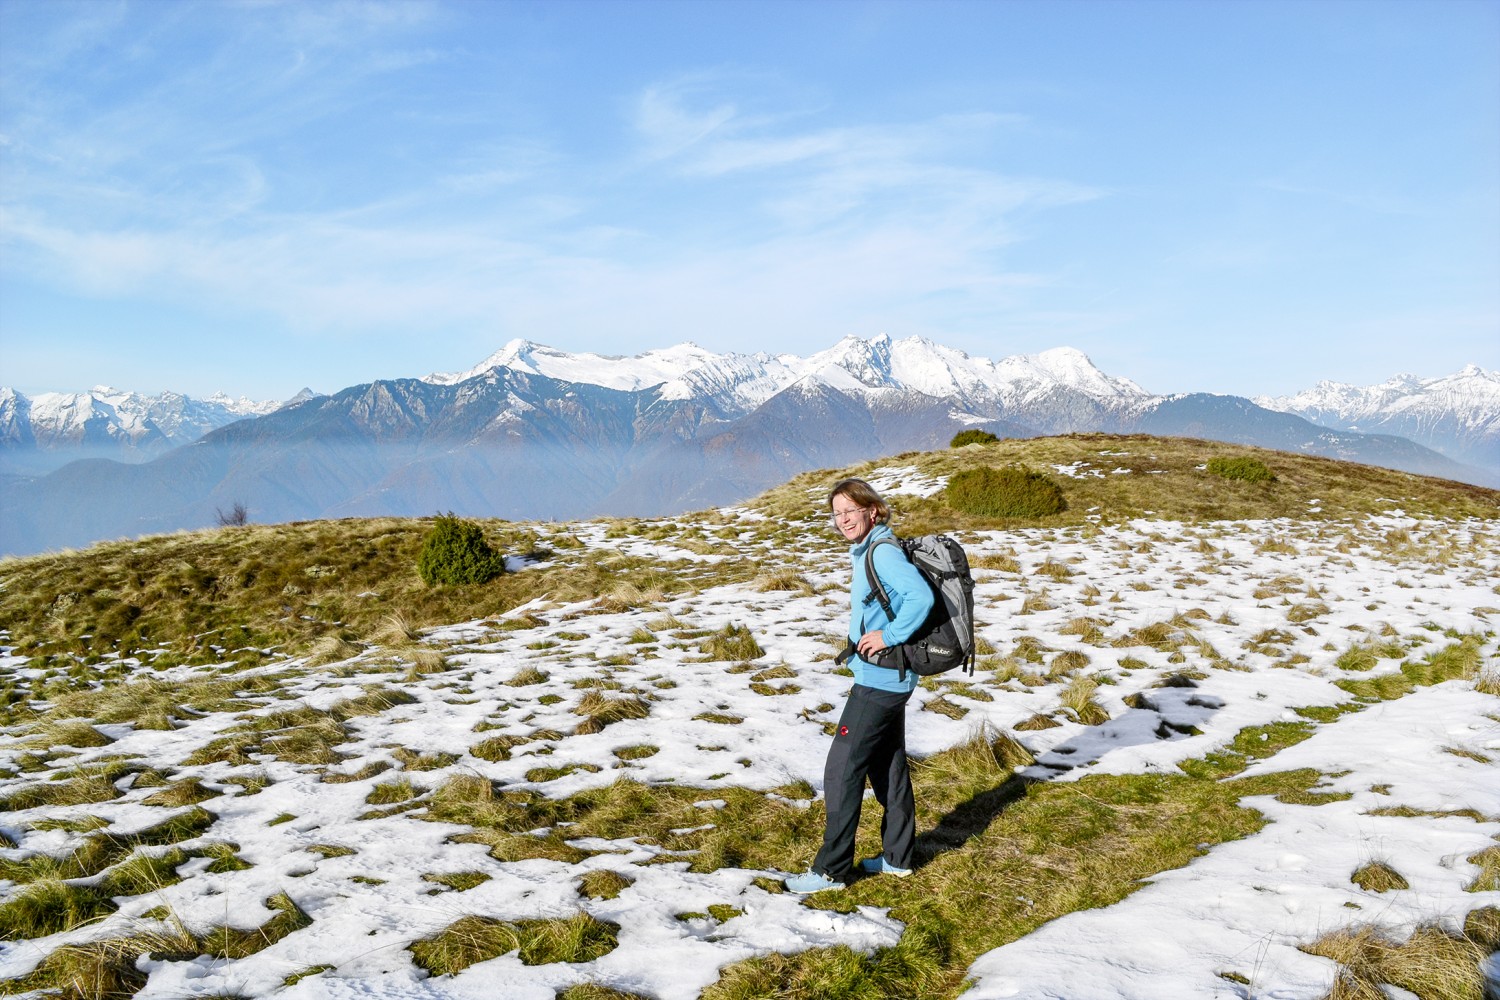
1160 636
995 561
188 792
1053 570
603 883
83 789
472 939
1078 698
1378 876
1090 630
369 770
498 748
527 676
50 906
457 881
784 580
599 710
428 661
97 970
106 969
331 649
391 792
986 753
732 642
1431 964
1067 663
411 760
942 706
1034 603
396 629
595 991
66 733
466 790
1488 879
1460 660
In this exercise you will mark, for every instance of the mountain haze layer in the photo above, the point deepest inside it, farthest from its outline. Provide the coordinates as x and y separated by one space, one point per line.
538 433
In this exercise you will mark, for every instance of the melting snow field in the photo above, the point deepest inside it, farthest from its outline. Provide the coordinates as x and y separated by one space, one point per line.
1260 612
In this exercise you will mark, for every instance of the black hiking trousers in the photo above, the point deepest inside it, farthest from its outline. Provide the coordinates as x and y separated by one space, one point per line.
869 743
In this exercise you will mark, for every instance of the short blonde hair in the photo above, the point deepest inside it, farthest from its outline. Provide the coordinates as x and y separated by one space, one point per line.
862 493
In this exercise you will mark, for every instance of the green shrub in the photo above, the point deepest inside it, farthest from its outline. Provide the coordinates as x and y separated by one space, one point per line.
1251 470
1014 491
972 436
455 551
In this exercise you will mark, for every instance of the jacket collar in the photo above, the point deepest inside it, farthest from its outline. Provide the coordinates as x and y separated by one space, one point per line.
857 550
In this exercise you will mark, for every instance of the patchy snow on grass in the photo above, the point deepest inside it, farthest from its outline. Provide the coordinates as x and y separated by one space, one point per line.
1254 616
908 480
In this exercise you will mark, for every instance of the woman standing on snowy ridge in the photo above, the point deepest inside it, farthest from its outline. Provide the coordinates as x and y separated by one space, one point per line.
870 741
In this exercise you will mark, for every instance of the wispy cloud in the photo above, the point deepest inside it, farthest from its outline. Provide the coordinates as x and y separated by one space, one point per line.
718 221
668 127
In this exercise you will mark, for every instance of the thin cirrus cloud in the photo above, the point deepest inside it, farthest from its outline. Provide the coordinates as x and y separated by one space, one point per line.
900 176
840 224
221 183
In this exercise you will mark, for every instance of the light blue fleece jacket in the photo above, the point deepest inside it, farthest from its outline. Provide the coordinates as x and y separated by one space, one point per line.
911 599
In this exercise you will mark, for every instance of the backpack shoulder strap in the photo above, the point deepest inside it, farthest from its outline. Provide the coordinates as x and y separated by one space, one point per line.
877 590
877 593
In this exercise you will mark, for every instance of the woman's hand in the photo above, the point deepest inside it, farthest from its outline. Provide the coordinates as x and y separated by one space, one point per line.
871 643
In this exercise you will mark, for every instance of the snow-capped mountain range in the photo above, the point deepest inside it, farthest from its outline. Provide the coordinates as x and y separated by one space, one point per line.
739 383
534 432
1056 390
52 428
1458 414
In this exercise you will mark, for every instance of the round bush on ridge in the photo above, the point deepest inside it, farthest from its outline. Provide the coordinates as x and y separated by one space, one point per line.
455 551
1014 491
972 436
1251 470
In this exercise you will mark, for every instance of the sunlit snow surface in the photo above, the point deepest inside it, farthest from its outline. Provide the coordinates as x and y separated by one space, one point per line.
1242 907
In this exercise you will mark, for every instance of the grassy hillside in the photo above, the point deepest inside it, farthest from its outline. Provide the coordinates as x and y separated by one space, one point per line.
247 752
1115 478
253 592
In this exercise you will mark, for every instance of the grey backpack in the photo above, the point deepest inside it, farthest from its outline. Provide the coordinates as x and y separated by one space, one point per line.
945 639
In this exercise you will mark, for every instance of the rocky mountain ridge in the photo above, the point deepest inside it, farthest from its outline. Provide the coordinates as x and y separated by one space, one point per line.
1458 414
536 433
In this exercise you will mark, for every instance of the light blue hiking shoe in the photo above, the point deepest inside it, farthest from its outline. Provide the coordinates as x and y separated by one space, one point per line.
810 882
880 866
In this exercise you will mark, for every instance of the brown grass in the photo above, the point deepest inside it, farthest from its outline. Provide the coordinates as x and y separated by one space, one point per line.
1431 963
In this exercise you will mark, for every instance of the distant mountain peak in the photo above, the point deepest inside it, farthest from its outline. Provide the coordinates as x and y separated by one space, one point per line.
1457 414
737 383
612 371
303 396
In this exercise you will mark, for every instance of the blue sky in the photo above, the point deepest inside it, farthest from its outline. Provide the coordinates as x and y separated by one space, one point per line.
1237 197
